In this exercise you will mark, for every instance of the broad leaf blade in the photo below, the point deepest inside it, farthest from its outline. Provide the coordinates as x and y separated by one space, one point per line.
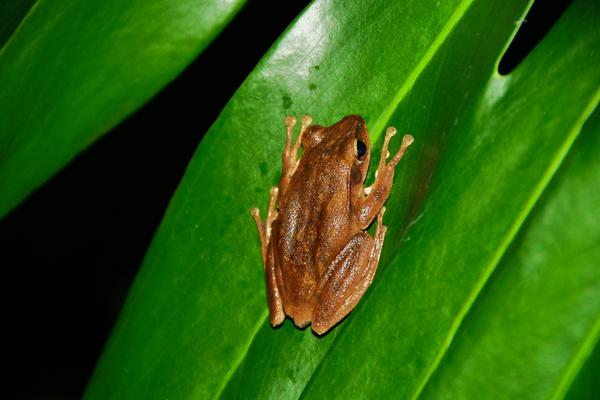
379 359
538 321
491 171
197 266
72 70
195 322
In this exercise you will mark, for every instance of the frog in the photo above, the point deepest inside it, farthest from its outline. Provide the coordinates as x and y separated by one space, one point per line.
317 256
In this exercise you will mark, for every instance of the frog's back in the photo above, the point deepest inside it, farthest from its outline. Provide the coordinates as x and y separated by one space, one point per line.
313 225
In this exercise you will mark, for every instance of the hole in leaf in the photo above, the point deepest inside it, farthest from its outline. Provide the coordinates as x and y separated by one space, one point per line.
538 22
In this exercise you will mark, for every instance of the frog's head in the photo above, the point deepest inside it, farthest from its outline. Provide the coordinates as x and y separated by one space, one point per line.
345 144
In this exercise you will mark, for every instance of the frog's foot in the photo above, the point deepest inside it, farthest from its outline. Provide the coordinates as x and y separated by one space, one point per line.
276 312
407 140
350 275
301 315
261 234
376 194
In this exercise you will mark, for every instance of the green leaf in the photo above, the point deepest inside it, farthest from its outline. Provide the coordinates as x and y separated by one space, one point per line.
586 385
486 146
535 324
73 69
12 13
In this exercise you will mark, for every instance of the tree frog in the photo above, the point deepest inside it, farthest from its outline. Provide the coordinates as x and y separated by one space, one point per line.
317 257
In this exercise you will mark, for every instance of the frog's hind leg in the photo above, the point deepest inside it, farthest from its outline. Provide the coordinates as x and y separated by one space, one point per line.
276 312
264 229
348 277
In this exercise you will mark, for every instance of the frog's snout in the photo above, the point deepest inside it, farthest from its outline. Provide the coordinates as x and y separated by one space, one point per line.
361 127
359 123
356 121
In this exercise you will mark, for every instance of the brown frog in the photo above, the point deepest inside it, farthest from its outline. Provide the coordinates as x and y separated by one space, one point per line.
317 257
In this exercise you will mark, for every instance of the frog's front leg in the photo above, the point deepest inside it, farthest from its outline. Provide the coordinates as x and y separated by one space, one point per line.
377 194
290 153
348 277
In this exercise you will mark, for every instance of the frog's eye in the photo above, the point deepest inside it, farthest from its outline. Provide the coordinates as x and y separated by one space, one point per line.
361 149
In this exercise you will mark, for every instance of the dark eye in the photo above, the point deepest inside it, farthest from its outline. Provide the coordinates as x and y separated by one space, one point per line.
361 149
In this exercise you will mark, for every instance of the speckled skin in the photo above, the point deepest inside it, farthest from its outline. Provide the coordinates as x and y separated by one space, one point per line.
318 260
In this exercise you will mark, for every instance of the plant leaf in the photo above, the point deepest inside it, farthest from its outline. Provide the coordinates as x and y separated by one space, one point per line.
488 178
586 385
195 323
12 13
539 319
73 70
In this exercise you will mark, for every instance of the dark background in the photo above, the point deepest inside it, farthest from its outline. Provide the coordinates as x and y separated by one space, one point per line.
71 250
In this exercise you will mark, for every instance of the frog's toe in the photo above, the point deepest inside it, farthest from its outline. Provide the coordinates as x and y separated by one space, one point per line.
300 315
302 324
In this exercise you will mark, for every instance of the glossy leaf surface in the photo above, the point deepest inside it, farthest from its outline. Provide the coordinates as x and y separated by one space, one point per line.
538 320
486 147
71 70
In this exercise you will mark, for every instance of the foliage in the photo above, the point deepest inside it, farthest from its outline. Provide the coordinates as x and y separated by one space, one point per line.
488 282
71 70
